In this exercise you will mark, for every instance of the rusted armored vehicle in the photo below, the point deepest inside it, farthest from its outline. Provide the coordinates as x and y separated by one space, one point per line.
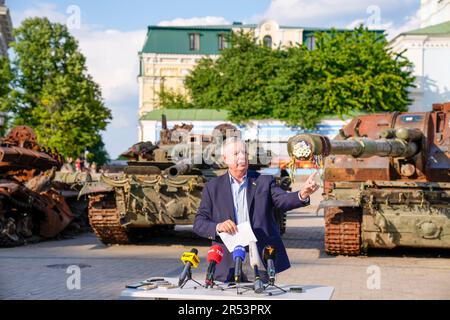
386 181
31 207
161 185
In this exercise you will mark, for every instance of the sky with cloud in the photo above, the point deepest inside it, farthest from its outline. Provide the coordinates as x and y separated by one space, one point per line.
112 32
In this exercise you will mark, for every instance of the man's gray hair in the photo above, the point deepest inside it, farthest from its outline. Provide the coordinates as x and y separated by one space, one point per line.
229 141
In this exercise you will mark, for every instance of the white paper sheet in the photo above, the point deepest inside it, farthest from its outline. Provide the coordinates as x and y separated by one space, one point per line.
241 238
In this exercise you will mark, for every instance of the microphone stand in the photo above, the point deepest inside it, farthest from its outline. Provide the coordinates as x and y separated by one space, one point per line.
275 286
189 278
233 285
214 286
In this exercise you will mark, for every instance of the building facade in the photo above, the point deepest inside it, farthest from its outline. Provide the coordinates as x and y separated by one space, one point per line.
5 28
428 48
170 53
433 12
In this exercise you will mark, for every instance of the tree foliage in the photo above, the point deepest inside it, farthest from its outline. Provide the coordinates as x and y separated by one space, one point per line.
52 91
348 71
6 77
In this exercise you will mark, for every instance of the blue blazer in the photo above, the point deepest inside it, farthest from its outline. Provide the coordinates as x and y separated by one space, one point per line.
263 196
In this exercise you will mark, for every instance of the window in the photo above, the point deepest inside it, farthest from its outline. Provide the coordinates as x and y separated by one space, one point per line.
222 42
267 41
194 41
311 42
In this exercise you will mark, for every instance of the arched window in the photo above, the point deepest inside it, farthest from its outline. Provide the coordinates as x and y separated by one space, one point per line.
267 40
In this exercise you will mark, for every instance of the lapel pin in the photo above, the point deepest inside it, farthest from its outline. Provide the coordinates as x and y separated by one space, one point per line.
254 183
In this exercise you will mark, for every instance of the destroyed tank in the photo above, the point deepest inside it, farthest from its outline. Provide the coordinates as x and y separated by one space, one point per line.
161 185
386 181
32 207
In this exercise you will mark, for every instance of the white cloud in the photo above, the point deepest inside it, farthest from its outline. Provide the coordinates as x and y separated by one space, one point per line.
196 21
410 23
392 29
41 10
112 59
375 14
327 12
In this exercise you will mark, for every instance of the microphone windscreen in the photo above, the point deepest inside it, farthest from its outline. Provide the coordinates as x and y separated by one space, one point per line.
215 253
269 253
239 252
255 259
194 251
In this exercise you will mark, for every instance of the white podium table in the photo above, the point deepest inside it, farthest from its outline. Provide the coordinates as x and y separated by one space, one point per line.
192 291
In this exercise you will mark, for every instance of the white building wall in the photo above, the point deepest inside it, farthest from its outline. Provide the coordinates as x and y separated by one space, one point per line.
430 56
436 79
434 12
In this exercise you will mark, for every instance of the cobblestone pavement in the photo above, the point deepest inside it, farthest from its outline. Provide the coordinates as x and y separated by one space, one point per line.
40 271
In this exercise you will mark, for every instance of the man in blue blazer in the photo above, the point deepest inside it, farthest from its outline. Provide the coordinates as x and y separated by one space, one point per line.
240 196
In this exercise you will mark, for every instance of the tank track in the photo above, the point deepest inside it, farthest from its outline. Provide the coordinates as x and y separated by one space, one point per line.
6 242
104 218
342 231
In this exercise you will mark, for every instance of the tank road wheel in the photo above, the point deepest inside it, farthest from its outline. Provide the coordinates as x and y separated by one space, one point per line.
104 218
342 231
8 235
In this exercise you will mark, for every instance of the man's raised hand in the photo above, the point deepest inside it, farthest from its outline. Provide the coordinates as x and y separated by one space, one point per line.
309 187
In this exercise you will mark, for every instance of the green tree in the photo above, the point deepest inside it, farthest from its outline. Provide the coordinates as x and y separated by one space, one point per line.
6 77
356 71
174 99
98 154
53 93
347 72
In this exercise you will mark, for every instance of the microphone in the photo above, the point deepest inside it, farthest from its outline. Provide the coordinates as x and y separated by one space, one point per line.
255 262
190 259
269 259
214 257
238 257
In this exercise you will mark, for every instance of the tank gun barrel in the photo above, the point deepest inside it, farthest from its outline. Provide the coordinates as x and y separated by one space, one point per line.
403 144
183 166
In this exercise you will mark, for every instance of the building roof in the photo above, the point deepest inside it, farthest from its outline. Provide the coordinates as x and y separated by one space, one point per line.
175 39
187 115
438 29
